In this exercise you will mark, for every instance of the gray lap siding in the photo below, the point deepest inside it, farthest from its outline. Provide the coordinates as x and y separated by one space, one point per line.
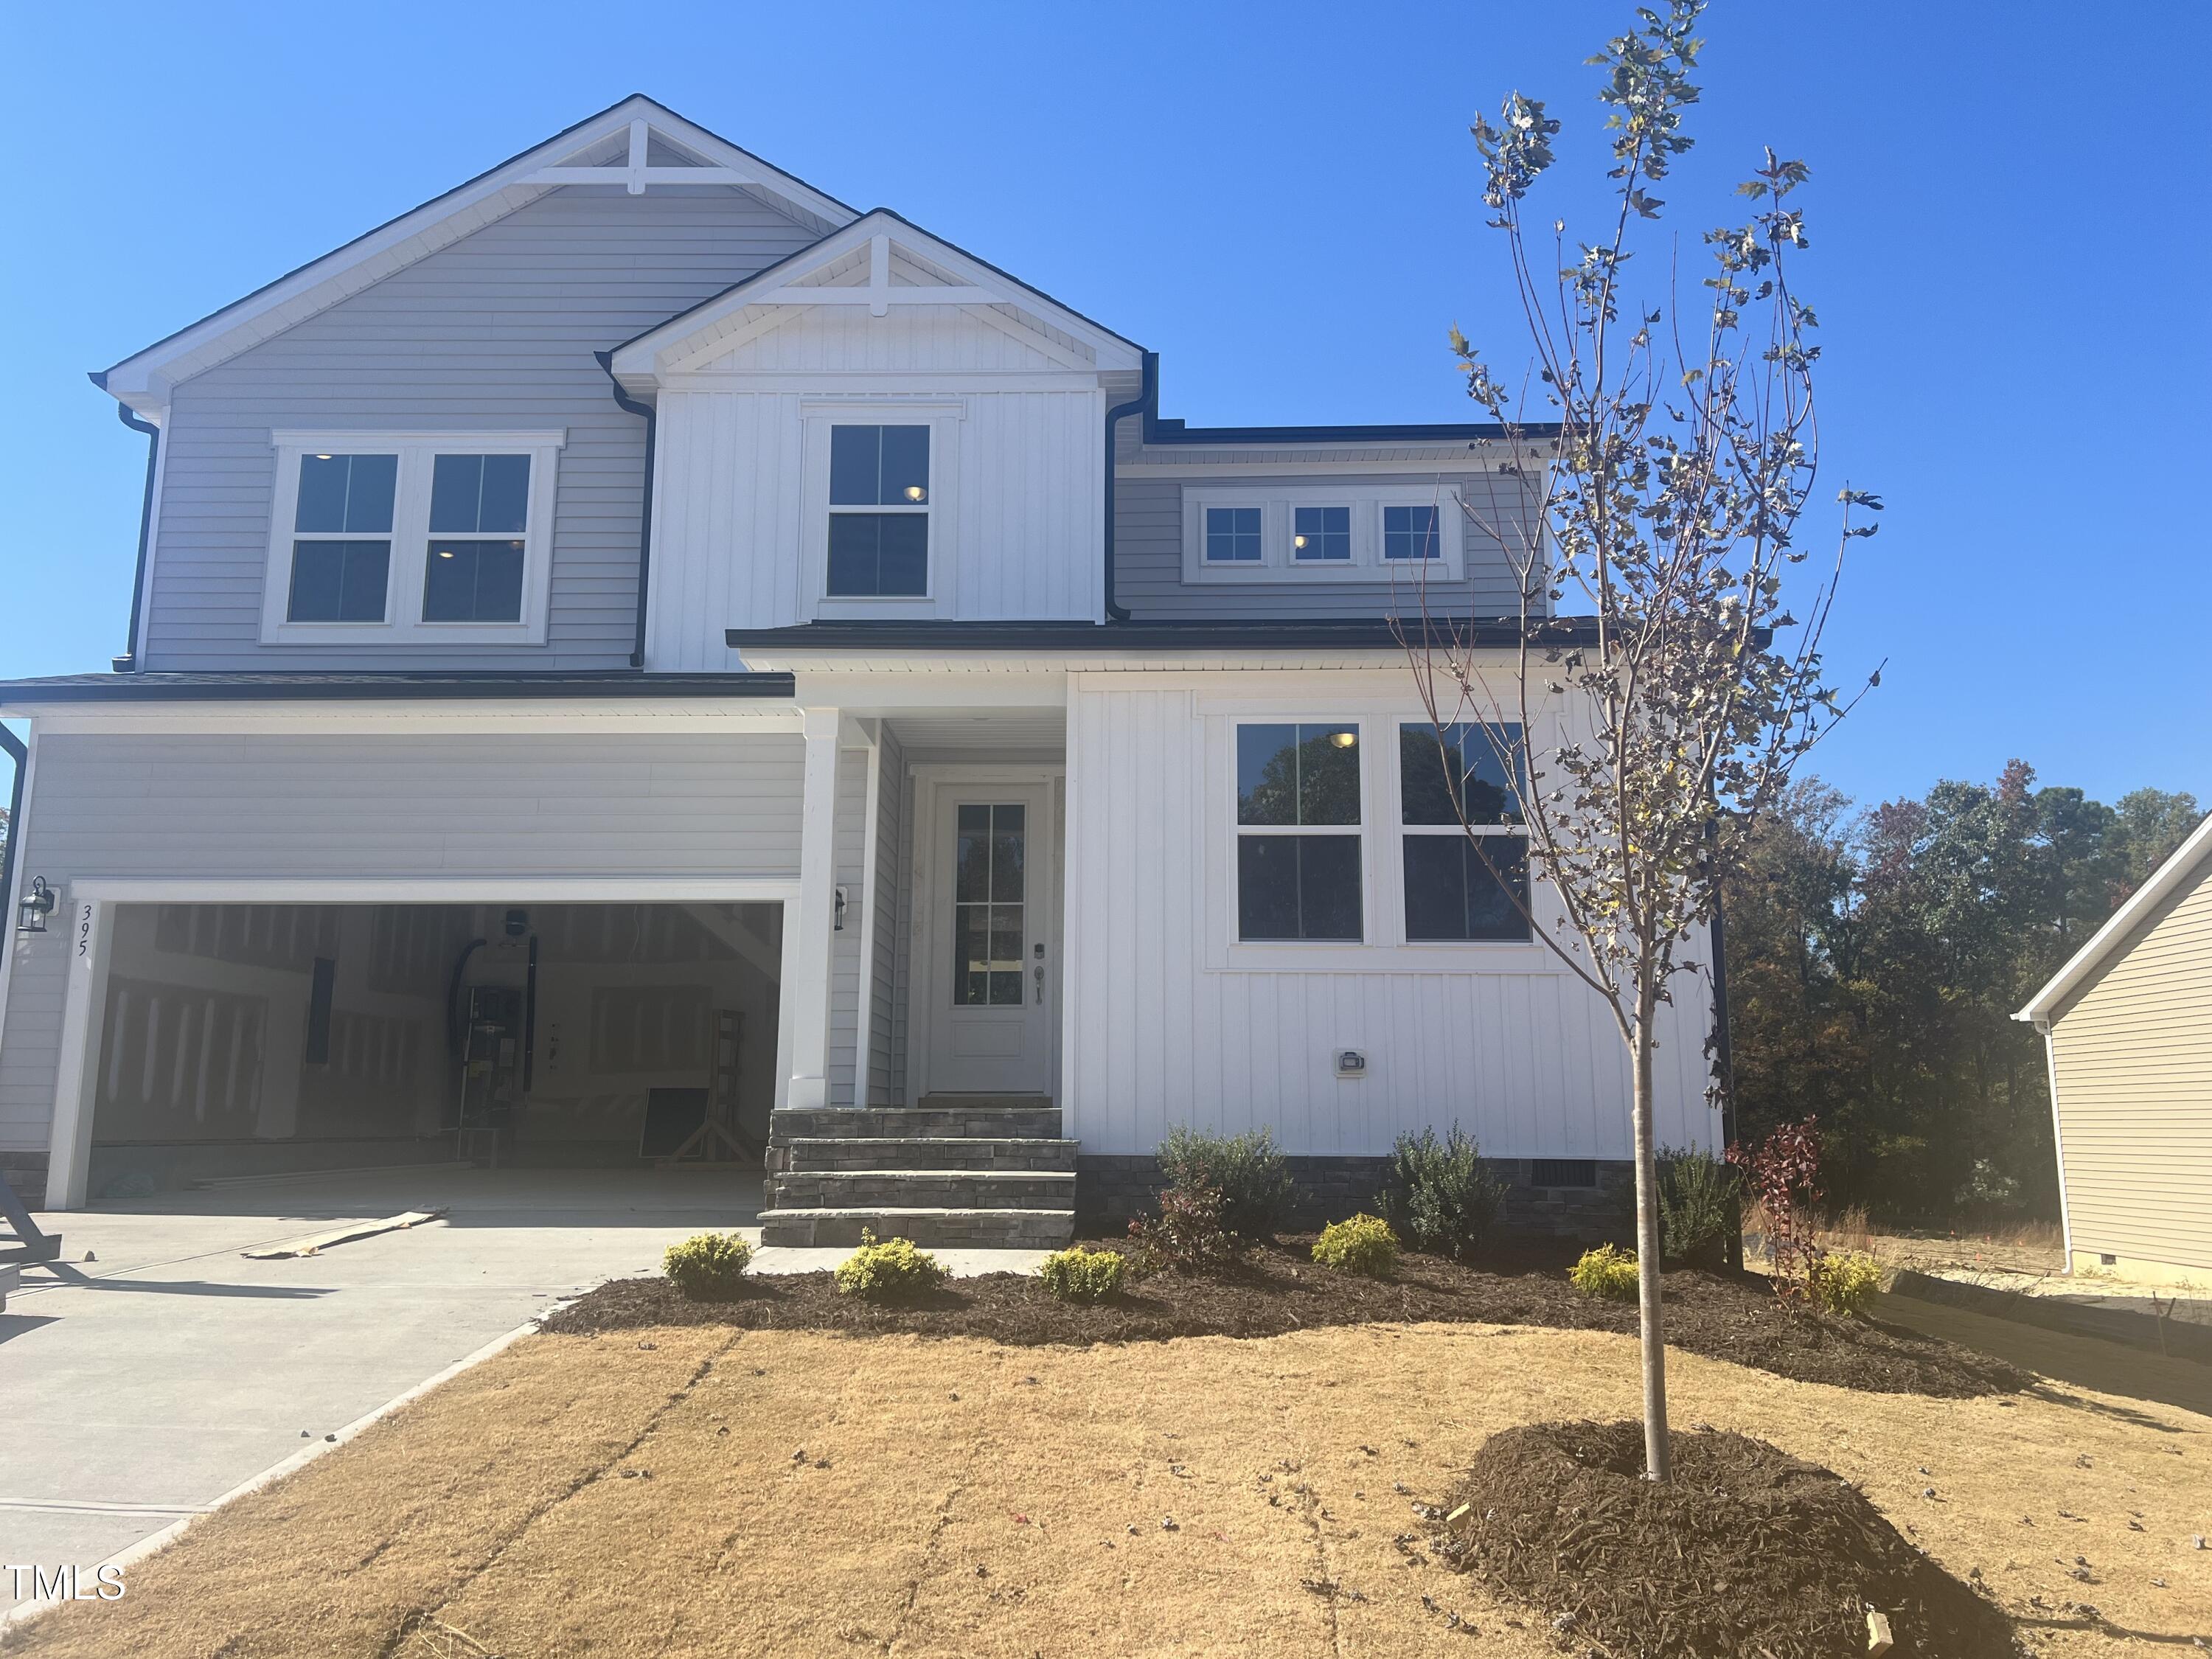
497 333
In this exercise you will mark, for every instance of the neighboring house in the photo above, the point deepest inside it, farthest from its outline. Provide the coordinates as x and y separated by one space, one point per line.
2127 1028
636 638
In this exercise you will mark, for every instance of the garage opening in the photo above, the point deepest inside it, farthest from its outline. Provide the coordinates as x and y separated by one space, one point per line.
267 1039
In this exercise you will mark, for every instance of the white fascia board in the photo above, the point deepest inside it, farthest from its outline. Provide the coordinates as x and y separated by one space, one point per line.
2170 875
698 333
143 380
529 717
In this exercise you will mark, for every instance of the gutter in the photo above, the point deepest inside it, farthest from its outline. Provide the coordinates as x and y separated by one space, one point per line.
629 405
1147 402
128 662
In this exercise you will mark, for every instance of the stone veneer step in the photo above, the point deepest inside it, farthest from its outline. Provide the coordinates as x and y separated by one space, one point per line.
924 1189
944 1229
959 1122
831 1153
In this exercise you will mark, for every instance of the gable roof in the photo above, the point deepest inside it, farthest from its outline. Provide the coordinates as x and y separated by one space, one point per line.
879 259
2180 866
636 143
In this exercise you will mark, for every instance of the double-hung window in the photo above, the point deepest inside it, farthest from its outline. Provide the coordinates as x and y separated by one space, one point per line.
410 538
1466 854
1297 832
878 512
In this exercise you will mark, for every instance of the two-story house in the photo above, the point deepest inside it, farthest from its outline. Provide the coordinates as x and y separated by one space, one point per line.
636 654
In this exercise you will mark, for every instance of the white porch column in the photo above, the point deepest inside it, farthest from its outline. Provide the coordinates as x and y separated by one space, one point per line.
84 1011
808 928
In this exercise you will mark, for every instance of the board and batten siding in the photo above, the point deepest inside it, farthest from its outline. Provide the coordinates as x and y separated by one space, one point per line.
495 332
1148 552
1156 1035
886 891
2131 1058
849 839
740 538
354 806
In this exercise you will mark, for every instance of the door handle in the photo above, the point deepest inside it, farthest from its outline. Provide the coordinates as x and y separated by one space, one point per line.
1039 971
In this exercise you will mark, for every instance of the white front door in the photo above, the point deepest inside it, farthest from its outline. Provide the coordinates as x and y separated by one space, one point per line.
992 984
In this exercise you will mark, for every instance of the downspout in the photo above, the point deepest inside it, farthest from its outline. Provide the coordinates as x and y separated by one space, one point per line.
128 662
1143 401
629 405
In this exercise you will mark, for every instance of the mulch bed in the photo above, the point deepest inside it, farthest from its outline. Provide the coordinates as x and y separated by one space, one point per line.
1747 1550
1278 1288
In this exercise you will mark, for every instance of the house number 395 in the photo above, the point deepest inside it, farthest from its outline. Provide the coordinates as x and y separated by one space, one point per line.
84 932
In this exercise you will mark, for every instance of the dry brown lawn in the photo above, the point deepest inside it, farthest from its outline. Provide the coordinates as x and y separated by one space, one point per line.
644 1494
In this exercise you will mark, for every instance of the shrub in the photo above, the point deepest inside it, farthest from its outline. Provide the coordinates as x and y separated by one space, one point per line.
708 1265
1442 1197
1081 1275
1248 1170
1364 1244
1608 1271
885 1271
1844 1281
1698 1208
1784 1171
1188 1234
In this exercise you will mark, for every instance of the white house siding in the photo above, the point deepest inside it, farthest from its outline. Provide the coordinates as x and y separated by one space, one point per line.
359 806
495 332
1158 1033
850 858
887 1028
2131 1056
738 543
1148 552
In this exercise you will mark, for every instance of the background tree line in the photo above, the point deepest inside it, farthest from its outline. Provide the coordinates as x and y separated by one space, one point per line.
1875 960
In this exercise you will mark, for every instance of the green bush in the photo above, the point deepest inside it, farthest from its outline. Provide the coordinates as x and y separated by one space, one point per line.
1248 1170
885 1271
1442 1197
1844 1281
1698 1207
1188 1234
1081 1275
708 1265
1608 1271
1364 1244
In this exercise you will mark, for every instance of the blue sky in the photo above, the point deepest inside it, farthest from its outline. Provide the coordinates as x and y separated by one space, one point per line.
2008 211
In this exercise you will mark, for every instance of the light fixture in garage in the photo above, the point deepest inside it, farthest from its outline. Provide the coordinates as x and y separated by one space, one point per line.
37 905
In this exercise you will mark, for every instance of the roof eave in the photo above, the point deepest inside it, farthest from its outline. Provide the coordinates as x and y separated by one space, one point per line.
2179 865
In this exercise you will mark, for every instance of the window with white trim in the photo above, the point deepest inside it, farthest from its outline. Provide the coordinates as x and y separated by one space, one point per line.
1297 832
410 538
878 543
1465 852
1322 531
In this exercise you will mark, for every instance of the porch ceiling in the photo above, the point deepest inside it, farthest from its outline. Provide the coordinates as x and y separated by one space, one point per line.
965 731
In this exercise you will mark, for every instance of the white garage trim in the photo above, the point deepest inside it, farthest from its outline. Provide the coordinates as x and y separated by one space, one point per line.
91 910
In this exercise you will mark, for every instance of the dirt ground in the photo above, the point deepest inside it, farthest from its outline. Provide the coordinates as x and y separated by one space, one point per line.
720 1491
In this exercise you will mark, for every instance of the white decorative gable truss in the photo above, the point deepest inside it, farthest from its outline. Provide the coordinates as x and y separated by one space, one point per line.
879 266
638 145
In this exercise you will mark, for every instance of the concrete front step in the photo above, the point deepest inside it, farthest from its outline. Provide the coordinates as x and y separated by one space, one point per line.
834 1152
1020 1230
957 1122
924 1189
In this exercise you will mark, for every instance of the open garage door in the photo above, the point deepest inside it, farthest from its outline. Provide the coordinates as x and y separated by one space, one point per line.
263 1039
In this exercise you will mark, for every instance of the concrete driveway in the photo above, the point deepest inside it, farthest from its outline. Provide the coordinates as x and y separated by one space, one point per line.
138 1387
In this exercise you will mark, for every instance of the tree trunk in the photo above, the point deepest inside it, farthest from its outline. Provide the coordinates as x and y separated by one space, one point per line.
1656 1460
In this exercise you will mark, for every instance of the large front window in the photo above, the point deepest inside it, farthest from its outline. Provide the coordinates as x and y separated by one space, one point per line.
1466 856
1297 871
878 512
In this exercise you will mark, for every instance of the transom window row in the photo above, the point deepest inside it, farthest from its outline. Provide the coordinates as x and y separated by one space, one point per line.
1320 534
1463 854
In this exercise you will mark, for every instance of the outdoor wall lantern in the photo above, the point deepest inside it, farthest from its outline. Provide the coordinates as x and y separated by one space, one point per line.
36 906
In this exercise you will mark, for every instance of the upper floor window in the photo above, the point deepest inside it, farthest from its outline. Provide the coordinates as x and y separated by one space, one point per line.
1297 832
878 545
1322 531
1410 533
404 538
1232 535
1466 857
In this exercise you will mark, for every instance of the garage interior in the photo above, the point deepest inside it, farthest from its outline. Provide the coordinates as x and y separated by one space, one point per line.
246 1040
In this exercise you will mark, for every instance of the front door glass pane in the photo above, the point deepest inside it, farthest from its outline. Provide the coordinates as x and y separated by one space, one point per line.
989 888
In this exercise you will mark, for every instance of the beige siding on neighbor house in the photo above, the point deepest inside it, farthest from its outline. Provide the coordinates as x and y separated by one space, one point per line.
2131 1057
